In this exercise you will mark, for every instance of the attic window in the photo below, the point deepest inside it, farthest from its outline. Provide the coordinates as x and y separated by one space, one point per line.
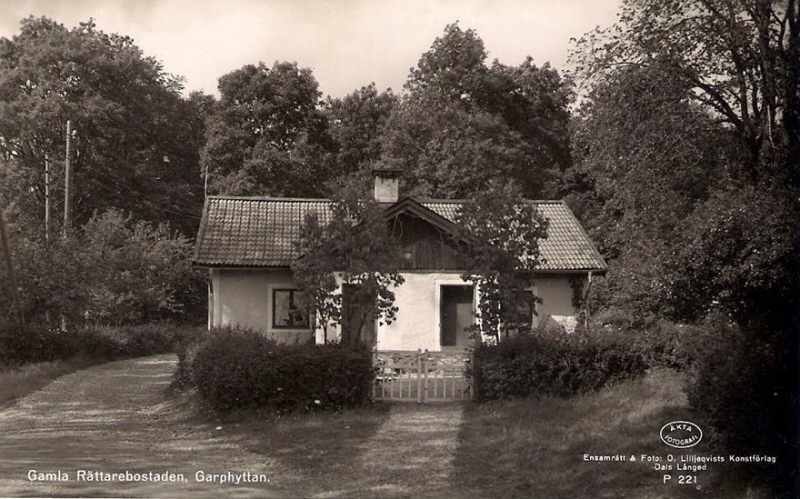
287 311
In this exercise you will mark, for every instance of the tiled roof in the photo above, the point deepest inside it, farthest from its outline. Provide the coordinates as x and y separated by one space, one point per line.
259 232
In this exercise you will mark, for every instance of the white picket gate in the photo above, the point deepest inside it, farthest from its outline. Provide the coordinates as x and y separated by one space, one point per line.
421 376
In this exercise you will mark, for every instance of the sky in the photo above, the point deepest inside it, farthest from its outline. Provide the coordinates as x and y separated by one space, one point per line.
347 43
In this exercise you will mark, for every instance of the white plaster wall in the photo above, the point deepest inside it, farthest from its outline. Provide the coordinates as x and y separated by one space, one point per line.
556 294
244 298
417 322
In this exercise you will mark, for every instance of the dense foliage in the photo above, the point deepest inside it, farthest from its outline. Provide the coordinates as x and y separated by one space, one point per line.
687 170
503 237
113 270
267 134
356 125
25 344
463 123
136 139
235 369
552 364
744 381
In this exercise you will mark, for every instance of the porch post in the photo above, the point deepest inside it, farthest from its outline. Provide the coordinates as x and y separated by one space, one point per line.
374 377
472 374
425 377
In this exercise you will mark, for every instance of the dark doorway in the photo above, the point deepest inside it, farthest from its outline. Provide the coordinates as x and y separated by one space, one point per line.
358 317
456 315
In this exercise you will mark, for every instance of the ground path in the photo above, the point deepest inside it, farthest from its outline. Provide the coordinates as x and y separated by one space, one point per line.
411 455
118 416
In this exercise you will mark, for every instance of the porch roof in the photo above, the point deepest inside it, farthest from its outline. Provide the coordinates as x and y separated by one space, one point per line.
260 231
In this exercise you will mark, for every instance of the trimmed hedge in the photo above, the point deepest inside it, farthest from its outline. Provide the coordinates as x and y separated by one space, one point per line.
545 363
21 345
660 342
235 369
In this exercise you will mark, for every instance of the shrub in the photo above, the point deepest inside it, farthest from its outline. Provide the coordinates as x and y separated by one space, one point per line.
113 270
661 343
745 383
550 363
233 369
25 344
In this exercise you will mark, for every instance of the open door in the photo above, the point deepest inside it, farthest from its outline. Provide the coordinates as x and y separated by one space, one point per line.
456 315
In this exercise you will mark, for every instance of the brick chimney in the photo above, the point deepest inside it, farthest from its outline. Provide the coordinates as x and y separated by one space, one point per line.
387 185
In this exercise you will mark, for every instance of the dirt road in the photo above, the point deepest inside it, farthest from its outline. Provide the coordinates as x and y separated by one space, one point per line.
117 418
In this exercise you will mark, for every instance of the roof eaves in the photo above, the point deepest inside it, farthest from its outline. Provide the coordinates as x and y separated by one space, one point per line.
417 208
604 265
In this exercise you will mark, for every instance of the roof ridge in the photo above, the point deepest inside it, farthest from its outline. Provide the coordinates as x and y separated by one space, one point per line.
270 198
328 200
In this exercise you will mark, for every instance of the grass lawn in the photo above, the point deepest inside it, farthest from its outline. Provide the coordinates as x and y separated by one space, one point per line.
535 449
17 382
320 448
522 448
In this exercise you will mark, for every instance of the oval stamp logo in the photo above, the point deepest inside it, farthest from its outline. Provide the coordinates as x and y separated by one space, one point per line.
681 434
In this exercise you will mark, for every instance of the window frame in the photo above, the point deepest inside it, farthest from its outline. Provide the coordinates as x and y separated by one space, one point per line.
274 321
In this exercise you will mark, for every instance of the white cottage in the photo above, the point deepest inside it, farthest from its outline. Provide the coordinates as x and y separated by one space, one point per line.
247 245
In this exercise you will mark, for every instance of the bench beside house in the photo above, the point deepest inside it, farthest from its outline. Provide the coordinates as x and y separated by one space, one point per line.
247 244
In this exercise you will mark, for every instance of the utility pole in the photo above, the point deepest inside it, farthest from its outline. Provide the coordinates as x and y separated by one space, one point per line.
68 181
47 199
12 281
67 198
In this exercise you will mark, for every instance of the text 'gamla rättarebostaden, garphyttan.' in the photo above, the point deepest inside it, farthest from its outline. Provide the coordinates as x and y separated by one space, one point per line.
147 476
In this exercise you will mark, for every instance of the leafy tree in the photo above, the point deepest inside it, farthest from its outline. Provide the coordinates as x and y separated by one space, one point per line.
113 270
356 123
128 116
140 272
721 236
646 158
658 108
503 239
739 59
733 255
267 134
463 122
355 243
449 150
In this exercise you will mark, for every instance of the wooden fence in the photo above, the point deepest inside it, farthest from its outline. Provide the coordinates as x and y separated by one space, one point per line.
421 376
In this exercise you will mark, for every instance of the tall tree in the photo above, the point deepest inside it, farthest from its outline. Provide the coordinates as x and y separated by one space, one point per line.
463 122
135 144
739 58
267 134
729 211
356 124
646 158
692 93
